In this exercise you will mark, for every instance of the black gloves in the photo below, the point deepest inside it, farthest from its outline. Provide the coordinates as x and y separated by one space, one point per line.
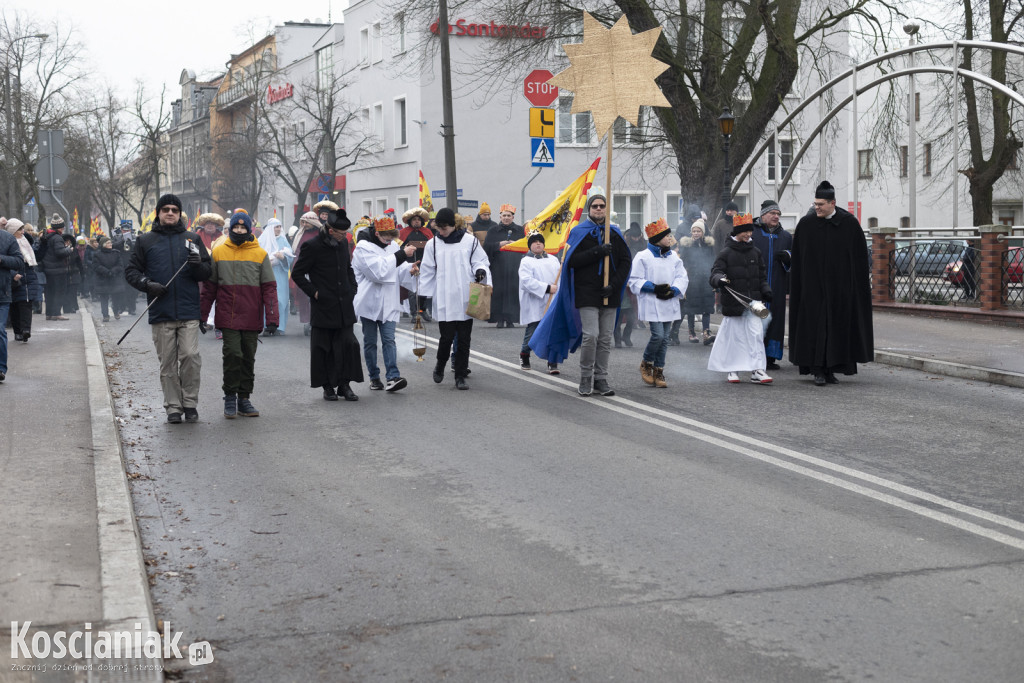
665 293
606 292
194 258
722 280
481 275
155 289
604 249
270 328
203 327
766 297
784 257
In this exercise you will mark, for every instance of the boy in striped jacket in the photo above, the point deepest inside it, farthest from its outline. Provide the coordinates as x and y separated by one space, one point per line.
244 287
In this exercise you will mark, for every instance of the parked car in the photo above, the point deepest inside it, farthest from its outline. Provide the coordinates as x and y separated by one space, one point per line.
929 257
956 273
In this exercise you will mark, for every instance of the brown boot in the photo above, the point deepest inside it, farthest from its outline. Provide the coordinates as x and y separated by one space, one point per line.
659 378
647 372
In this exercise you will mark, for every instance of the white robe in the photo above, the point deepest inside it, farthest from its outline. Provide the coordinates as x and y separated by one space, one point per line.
445 274
660 270
739 345
535 274
378 276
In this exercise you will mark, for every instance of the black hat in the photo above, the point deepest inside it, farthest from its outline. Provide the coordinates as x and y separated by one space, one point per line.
168 200
57 223
769 205
825 191
445 217
535 236
732 206
338 220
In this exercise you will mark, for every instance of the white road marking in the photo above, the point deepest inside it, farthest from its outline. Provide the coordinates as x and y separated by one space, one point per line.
716 436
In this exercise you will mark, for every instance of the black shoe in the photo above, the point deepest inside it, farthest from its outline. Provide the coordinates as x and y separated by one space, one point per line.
2 377
601 387
376 384
18 337
191 415
524 361
246 408
772 365
396 384
346 392
174 418
460 383
831 378
426 317
509 323
230 406
330 394
25 336
439 372
819 380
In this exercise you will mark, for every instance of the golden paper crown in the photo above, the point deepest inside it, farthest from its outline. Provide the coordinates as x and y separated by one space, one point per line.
656 228
743 219
385 224
507 207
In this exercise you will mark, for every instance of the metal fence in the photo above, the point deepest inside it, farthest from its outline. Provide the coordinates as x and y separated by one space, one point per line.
939 271
1013 277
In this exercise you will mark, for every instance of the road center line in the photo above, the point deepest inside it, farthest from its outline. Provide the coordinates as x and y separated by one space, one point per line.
700 431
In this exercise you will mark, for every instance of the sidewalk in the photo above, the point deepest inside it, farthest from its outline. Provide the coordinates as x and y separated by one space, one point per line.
71 553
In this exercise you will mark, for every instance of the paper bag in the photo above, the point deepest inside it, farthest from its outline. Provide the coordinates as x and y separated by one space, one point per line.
479 305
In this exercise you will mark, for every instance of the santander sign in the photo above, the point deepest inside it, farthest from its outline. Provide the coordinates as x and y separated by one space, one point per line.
278 94
461 27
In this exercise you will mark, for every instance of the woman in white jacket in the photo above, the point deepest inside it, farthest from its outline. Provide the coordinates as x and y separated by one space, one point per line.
380 268
658 278
538 281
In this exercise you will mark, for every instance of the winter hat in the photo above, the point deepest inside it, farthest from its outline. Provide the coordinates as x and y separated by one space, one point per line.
14 225
215 218
597 195
769 205
535 236
57 223
102 239
657 230
311 218
81 239
825 191
240 217
693 212
168 200
485 208
742 222
325 205
292 230
416 211
337 219
445 217
700 224
732 206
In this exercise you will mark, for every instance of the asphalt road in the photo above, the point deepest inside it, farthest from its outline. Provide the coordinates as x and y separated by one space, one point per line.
517 532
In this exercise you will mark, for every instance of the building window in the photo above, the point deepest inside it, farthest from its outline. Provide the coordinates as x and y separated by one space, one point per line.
573 129
324 68
903 161
629 209
780 158
864 168
378 119
376 43
904 221
367 207
626 133
927 158
382 206
1007 216
364 46
401 131
673 212
402 205
917 106
400 36
364 119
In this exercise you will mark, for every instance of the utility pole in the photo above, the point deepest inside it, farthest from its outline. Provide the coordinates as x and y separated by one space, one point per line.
448 127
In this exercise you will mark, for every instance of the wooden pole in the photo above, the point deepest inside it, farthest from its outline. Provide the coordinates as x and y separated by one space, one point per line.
608 207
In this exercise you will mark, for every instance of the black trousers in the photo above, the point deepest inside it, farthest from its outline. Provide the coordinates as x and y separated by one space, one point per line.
56 293
21 316
448 329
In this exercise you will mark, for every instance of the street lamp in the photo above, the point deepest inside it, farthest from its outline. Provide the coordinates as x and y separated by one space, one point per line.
12 192
911 28
725 124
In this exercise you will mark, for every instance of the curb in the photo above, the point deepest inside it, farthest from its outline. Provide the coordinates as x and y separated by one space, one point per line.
958 370
123 581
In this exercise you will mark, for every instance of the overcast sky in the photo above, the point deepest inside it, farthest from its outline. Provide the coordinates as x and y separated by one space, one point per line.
125 41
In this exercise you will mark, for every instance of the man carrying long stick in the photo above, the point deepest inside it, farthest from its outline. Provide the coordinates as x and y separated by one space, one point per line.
174 311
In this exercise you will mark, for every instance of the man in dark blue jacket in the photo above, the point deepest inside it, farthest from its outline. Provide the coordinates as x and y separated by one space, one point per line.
11 262
174 317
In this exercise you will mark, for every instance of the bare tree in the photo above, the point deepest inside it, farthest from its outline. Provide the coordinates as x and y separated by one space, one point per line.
111 147
721 54
151 122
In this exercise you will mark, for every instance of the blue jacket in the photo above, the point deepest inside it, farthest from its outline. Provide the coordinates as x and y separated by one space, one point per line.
11 262
157 256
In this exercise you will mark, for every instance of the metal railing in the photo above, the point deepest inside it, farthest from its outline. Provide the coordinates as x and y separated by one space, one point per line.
945 272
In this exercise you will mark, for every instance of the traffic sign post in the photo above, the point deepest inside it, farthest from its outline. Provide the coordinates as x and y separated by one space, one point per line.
542 152
542 122
537 90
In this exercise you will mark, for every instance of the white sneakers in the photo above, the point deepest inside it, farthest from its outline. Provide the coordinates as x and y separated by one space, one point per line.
757 377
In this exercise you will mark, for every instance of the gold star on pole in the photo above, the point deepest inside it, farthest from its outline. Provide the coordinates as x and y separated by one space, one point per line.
612 73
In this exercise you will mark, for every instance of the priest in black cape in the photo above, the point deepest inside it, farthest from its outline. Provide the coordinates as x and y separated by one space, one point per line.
830 325
776 247
504 267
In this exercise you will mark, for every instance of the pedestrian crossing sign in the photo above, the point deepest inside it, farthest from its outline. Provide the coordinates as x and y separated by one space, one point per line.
542 151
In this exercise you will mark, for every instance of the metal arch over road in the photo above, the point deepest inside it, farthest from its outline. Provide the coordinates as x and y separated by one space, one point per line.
955 71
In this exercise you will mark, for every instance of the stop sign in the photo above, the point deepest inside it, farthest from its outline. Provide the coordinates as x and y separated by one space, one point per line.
537 90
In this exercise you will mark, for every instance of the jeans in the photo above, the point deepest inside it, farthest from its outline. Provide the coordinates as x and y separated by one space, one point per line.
528 335
105 305
4 310
657 347
705 320
387 348
598 325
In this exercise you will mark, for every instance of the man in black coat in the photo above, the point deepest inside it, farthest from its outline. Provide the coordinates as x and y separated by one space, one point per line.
775 245
323 270
830 325
504 267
